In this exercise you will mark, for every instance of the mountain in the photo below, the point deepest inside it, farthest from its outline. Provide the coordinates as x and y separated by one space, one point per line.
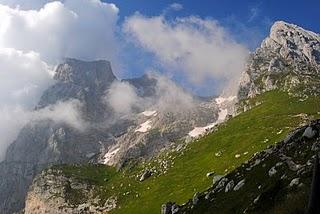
98 134
278 179
173 144
288 59
44 142
277 94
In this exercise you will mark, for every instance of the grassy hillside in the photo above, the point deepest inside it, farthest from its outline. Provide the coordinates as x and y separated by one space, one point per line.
179 174
277 180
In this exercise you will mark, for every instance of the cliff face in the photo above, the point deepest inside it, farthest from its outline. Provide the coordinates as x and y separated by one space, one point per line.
288 59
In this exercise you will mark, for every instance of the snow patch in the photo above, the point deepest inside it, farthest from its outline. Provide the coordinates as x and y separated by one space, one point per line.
221 100
222 115
197 131
144 127
149 113
109 155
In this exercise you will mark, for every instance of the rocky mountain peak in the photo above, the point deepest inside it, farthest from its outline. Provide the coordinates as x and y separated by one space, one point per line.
293 42
84 73
288 59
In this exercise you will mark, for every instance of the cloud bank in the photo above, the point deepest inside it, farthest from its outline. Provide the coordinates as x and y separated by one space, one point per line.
199 48
123 98
83 29
13 118
34 36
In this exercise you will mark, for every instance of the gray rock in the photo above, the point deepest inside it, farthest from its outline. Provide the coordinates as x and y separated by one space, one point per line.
272 171
167 208
175 209
294 182
239 185
309 133
217 178
284 58
195 199
145 175
229 186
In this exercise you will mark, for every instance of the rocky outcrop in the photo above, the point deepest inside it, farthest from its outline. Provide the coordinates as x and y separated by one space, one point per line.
53 192
275 180
288 59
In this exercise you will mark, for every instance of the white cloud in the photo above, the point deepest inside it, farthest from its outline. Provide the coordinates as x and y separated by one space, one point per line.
199 48
176 6
34 36
13 118
23 77
169 96
25 4
68 112
83 29
254 13
122 97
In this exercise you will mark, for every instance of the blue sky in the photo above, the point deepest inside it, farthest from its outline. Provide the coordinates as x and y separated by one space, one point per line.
248 22
252 13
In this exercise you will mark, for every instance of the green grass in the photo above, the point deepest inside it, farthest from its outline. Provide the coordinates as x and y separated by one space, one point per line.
250 132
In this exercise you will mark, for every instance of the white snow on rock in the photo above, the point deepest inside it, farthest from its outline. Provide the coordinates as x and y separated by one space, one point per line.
197 131
109 155
149 113
222 115
144 127
221 100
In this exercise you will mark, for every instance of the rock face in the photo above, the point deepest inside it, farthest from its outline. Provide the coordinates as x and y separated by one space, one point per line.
289 59
107 138
156 126
84 81
70 195
286 191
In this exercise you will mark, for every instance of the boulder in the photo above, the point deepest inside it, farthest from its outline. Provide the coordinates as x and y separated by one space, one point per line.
229 186
294 182
209 174
309 133
272 171
146 174
166 208
239 185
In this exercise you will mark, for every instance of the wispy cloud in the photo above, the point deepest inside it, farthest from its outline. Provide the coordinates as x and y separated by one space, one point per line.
176 6
199 48
253 13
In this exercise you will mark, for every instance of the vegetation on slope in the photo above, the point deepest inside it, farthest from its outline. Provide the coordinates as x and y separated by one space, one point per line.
276 180
178 174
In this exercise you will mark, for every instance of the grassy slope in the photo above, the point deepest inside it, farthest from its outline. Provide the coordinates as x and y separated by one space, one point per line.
244 133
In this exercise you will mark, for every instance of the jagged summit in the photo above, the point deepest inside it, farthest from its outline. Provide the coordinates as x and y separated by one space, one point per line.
84 72
288 59
293 42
